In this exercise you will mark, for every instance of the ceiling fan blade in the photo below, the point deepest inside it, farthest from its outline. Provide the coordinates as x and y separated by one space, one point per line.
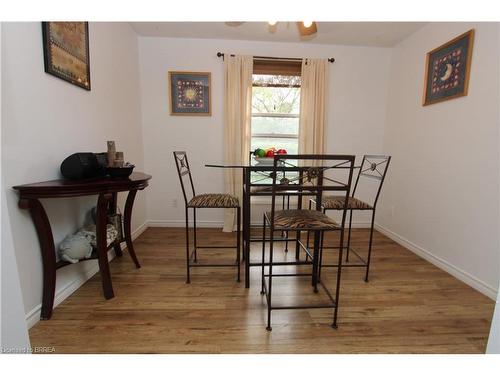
305 31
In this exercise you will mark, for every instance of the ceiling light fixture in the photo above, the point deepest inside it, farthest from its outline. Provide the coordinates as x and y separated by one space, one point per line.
306 28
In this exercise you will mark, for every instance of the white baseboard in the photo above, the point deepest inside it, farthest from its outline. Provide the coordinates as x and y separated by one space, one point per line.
33 316
460 274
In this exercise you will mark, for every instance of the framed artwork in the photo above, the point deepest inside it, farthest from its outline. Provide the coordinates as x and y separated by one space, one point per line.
190 93
66 51
447 69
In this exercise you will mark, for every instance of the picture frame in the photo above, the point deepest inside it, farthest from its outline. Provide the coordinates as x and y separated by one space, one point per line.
190 93
447 69
66 51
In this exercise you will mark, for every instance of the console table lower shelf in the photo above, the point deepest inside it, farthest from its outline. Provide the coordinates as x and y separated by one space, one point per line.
107 190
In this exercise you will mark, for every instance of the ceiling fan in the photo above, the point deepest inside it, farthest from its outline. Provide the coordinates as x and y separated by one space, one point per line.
305 28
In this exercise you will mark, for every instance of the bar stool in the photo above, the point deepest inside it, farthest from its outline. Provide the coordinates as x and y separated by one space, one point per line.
214 200
315 180
372 167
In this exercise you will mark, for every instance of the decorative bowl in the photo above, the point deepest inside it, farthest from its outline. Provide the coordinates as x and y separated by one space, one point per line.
267 161
120 172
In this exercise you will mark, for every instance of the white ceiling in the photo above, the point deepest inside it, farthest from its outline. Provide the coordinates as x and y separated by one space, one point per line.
377 34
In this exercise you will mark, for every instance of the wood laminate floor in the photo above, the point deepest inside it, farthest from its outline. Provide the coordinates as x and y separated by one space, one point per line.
409 306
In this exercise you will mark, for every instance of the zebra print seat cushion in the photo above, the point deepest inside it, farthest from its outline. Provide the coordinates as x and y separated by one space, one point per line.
337 203
214 201
302 219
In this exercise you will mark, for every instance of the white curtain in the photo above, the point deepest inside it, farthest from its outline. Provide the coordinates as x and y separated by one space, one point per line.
313 94
237 118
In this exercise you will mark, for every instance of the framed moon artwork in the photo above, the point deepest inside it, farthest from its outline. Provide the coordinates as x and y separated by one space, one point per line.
190 93
447 69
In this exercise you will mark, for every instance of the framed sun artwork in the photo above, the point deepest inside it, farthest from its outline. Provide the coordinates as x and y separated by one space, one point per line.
447 69
190 93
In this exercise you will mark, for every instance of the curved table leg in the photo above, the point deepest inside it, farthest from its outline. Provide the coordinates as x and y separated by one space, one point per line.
117 247
102 248
44 232
127 221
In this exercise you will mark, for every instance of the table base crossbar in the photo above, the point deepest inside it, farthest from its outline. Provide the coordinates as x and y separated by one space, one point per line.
333 304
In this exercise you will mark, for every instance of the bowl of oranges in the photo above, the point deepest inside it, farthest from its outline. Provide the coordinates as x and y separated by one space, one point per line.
266 156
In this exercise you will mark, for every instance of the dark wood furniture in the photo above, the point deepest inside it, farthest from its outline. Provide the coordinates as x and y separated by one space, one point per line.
106 189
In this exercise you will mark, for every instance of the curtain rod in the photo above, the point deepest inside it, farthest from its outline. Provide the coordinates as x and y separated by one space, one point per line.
220 54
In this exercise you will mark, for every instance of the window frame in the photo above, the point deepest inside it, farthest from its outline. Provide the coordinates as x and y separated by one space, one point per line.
274 134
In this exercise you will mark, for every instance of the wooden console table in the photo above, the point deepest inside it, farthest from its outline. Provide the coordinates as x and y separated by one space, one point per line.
107 190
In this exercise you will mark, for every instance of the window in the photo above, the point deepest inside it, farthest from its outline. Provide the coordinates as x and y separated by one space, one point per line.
275 112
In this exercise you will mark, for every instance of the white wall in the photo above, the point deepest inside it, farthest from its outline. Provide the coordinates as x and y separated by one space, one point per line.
442 185
494 339
13 330
355 117
45 119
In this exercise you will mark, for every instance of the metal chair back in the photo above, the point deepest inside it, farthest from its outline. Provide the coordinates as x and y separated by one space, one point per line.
184 172
373 167
317 174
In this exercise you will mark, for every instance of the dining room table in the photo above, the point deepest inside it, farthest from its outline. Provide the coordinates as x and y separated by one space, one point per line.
257 182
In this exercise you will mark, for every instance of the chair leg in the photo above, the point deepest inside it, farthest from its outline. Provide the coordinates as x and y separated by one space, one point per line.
297 246
370 248
286 233
283 233
321 254
307 244
349 237
337 288
308 234
270 288
238 240
194 233
242 210
263 254
315 276
246 227
188 280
